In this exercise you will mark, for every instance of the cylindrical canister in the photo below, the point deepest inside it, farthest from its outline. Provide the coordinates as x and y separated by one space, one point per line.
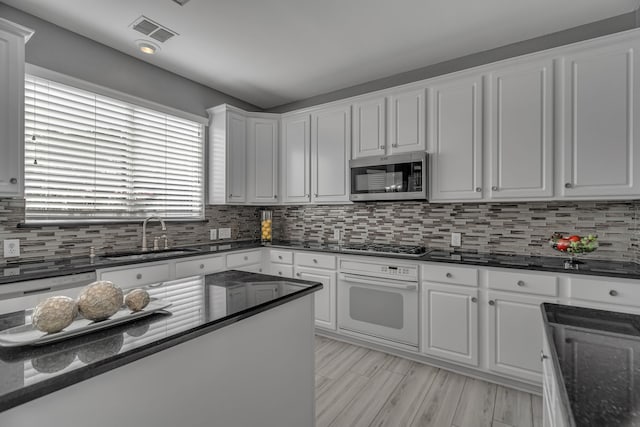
266 226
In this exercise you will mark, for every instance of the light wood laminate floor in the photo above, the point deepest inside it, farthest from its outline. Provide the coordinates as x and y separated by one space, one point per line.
357 387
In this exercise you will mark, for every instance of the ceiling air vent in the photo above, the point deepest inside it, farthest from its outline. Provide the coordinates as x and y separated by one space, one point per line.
152 29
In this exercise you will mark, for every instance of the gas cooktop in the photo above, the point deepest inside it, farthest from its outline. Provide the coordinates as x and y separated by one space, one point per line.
385 249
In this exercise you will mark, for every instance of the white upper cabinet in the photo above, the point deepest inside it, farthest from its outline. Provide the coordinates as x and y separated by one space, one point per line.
262 160
12 41
520 126
369 127
295 159
330 148
237 157
455 146
407 124
600 94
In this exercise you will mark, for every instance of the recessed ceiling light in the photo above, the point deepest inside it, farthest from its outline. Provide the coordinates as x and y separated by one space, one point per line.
147 47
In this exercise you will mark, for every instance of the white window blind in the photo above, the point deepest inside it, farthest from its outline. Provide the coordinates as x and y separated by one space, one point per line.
91 157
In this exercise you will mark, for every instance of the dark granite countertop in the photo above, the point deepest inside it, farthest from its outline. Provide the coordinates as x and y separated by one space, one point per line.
15 272
596 354
200 305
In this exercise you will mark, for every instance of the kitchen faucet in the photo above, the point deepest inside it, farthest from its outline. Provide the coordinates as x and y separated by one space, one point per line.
144 232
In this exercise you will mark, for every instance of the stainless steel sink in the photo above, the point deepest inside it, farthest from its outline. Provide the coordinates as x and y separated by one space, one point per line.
134 256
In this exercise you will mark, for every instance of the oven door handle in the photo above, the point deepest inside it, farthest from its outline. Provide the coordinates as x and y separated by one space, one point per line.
382 284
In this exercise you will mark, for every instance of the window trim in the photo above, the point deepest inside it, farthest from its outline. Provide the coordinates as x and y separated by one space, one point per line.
44 73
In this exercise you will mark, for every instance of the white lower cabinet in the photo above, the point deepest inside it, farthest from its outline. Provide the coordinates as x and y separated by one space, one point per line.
450 322
249 261
325 299
515 334
199 266
130 276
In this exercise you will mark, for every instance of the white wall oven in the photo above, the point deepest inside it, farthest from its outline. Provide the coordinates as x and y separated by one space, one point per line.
379 300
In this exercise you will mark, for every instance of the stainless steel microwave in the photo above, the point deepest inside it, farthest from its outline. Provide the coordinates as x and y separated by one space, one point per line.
395 177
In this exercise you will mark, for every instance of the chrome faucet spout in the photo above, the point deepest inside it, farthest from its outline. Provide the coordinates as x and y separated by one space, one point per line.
144 230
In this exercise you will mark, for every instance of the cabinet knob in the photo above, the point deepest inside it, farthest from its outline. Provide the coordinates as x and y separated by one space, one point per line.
474 299
520 283
275 196
279 256
492 302
298 274
568 185
449 275
478 189
139 276
279 273
246 258
543 356
306 195
382 147
613 293
13 181
201 266
315 261
494 188
316 194
394 145
230 195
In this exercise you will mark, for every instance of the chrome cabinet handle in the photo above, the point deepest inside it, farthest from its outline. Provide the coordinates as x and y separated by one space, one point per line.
613 293
315 261
13 181
201 266
520 283
298 274
478 189
492 302
138 276
449 275
279 256
494 188
280 273
474 299
543 356
568 185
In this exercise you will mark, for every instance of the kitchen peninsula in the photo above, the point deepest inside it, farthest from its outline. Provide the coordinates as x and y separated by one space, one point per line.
228 341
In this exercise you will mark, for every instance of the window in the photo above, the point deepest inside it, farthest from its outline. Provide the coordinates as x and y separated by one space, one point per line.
91 157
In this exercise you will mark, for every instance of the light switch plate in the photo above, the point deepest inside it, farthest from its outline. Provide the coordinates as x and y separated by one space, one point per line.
11 248
213 234
456 239
224 233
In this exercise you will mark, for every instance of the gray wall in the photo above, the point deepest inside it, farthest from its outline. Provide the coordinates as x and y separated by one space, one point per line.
60 50
584 32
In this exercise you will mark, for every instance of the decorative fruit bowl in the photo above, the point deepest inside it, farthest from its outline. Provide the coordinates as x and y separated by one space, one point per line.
574 244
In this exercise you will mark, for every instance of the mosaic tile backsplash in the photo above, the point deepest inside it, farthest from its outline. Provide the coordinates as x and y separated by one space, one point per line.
519 228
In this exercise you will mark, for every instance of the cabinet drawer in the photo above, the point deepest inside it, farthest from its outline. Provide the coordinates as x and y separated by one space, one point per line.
304 259
282 257
281 270
244 258
605 290
136 276
527 283
450 274
195 267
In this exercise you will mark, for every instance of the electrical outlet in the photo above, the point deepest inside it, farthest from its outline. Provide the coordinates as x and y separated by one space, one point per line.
11 248
224 233
336 234
456 239
213 234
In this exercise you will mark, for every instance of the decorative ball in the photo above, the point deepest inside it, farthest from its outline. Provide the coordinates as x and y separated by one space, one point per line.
100 300
137 299
54 314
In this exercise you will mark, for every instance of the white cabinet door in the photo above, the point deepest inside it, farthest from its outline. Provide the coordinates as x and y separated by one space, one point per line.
407 121
12 40
262 160
325 299
259 293
295 161
369 127
515 334
450 322
330 148
237 160
456 139
601 155
521 131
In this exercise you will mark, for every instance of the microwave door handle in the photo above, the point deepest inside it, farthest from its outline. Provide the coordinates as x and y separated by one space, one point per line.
385 284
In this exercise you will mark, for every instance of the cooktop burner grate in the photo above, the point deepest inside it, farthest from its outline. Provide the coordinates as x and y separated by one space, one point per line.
385 249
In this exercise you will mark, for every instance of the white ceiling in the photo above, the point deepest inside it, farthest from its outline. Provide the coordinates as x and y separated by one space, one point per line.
271 52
